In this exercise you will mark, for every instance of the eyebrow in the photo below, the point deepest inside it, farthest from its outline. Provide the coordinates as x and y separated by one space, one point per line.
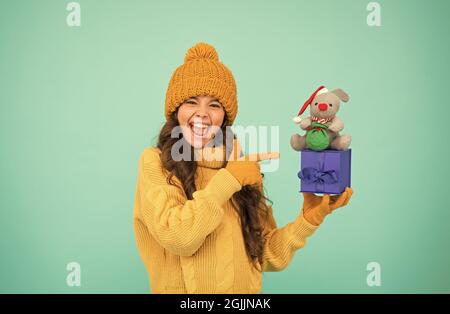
196 98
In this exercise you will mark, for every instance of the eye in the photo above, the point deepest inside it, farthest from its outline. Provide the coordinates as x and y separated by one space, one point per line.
331 105
315 104
191 102
215 105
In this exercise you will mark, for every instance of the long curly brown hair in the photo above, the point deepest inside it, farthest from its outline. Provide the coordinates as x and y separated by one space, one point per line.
249 202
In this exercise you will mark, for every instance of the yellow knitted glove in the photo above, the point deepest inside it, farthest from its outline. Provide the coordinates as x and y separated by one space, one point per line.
246 169
316 208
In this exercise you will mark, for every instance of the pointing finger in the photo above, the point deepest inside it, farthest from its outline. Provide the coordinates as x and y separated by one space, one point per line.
268 156
262 156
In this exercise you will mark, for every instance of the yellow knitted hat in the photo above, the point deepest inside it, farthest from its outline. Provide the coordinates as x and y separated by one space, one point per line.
202 74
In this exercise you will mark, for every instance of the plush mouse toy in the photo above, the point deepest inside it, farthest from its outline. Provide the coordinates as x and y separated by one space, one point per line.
323 126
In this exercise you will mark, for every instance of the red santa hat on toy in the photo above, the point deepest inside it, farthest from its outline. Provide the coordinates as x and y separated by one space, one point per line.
320 90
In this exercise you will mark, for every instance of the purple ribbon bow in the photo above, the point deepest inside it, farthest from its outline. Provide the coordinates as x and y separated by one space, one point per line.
312 175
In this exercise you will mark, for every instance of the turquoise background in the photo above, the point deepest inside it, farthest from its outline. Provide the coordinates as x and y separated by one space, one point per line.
78 106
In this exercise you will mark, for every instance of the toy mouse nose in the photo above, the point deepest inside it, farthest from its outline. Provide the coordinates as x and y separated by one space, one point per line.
323 106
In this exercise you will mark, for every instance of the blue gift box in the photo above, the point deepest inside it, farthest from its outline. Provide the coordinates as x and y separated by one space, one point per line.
327 171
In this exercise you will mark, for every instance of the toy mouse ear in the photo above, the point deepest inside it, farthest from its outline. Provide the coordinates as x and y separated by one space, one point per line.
341 94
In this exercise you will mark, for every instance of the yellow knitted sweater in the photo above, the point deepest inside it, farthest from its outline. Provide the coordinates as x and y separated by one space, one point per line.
197 246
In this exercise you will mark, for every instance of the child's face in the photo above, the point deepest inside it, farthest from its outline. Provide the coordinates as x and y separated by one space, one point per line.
200 118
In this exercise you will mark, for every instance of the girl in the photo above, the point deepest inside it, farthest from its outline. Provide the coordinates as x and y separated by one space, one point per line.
203 224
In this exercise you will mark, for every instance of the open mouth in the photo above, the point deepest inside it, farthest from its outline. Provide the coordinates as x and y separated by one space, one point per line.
200 129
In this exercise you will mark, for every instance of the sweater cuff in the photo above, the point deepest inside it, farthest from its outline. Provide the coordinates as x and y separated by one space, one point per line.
221 187
303 226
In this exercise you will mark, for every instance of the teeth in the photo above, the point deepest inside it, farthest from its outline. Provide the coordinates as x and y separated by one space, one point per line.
200 125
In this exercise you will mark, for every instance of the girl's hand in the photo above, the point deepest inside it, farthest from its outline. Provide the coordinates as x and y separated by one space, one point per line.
316 208
246 169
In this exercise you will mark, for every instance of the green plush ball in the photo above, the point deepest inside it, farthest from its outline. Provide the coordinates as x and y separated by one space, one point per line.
317 137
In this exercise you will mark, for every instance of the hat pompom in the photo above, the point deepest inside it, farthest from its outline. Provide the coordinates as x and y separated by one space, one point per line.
297 119
201 51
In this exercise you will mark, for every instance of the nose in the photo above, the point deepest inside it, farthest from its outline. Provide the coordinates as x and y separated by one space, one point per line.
201 112
323 106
